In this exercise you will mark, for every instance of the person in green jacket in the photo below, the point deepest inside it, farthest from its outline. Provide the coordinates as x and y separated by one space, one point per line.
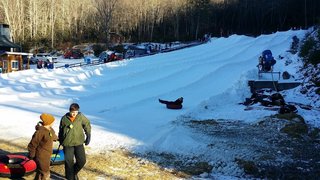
74 130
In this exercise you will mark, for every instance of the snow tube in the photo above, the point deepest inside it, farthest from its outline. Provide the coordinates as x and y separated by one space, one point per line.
16 166
174 106
59 159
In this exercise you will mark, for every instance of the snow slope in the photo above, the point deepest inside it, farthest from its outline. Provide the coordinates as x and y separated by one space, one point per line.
121 98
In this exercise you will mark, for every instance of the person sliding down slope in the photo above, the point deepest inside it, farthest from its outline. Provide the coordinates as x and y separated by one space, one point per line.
177 104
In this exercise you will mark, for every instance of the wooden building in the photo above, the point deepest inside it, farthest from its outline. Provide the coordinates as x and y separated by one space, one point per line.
13 61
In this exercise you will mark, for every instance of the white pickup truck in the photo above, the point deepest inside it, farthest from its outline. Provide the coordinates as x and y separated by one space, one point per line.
45 57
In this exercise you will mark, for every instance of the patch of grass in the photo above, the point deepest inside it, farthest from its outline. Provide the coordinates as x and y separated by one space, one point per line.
186 165
314 134
205 122
249 167
197 168
266 157
295 130
115 164
290 117
317 91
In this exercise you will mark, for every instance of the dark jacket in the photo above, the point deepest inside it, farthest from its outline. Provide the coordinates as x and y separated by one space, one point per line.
40 147
178 101
72 133
177 104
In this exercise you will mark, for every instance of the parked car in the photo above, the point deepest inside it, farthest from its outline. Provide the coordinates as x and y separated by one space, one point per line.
135 51
105 55
130 53
119 56
73 54
108 56
43 57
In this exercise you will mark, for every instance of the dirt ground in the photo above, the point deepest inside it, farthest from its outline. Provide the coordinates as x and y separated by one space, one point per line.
117 164
277 147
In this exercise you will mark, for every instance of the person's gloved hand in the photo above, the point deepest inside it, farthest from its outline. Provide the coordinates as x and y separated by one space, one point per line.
87 141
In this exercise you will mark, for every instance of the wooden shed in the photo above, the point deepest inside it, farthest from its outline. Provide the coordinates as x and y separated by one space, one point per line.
13 61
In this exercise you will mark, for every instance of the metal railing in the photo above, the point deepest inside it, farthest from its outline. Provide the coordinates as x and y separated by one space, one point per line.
91 63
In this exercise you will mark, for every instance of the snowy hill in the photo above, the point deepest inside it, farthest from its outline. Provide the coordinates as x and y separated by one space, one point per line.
121 98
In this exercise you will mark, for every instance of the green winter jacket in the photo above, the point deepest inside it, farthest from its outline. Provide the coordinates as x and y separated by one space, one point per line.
72 133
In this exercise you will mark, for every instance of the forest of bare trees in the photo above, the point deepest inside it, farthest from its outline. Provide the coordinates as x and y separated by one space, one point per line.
56 22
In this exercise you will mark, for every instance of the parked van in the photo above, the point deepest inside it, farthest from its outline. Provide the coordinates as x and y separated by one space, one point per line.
45 57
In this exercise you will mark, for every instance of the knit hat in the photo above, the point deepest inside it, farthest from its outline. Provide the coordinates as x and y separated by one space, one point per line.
47 119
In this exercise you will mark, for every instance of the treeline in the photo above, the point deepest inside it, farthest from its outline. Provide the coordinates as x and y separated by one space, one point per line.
56 22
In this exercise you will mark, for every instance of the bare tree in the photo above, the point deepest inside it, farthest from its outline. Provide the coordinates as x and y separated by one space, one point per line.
105 9
60 21
7 7
52 21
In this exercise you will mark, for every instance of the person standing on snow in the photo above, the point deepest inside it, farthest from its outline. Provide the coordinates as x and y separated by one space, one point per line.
73 126
41 144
